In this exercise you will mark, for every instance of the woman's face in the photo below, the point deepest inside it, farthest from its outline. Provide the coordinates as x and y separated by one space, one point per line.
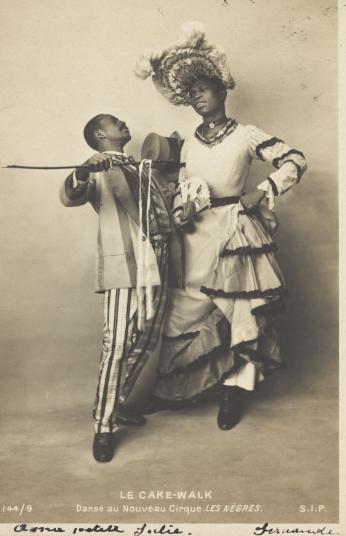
206 96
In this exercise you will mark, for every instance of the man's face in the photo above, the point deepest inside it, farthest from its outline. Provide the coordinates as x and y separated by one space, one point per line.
115 129
206 96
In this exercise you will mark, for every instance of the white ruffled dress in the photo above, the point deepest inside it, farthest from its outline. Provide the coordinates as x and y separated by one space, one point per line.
219 327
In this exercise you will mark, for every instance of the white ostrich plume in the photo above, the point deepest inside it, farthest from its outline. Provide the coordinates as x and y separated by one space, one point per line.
192 33
142 67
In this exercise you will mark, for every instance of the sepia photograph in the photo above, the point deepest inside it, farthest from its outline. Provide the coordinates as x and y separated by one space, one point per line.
169 313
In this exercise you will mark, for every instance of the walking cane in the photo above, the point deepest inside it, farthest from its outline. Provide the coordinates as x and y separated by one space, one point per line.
84 166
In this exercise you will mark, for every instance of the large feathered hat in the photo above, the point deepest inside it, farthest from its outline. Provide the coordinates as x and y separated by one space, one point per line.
174 68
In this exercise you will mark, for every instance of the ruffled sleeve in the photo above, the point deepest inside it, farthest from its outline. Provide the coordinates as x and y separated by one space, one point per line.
290 163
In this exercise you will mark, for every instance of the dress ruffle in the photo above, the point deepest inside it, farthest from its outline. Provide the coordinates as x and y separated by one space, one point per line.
249 250
247 267
182 352
191 383
251 235
246 288
190 368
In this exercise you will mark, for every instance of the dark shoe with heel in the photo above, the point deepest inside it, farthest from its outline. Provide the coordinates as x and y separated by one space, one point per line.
231 406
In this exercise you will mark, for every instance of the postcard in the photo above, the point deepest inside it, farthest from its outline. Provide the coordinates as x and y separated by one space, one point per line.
170 362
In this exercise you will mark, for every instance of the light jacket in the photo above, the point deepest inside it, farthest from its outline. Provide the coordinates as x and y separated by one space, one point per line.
111 197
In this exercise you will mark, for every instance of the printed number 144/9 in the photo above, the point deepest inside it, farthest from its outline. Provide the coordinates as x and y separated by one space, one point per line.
15 508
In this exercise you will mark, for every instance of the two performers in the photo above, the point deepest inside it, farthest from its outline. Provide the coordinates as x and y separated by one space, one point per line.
216 327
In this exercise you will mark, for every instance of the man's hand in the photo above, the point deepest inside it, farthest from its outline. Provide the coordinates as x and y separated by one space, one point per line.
97 162
251 200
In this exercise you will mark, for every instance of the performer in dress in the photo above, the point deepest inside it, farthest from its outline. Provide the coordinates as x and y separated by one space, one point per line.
219 328
135 232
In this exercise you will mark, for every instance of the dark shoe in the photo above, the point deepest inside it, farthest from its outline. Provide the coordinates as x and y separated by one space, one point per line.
231 406
103 447
129 417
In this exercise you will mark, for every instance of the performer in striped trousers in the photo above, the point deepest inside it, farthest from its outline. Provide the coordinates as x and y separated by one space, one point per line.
135 233
126 349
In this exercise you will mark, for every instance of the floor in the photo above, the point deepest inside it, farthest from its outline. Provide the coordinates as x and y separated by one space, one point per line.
282 456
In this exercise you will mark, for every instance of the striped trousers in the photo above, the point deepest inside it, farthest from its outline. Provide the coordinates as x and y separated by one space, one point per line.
125 349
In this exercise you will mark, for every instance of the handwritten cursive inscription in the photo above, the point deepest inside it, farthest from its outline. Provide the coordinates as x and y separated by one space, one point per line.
144 529
267 529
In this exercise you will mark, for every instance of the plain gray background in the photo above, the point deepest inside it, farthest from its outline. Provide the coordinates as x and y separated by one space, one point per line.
63 62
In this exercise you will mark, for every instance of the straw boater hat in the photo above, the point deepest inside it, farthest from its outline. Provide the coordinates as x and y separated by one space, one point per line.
174 68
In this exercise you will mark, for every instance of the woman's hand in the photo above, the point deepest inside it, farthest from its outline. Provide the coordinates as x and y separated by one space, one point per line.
185 226
189 210
184 220
251 200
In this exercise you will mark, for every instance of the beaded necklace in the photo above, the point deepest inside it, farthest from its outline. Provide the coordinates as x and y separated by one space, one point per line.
230 126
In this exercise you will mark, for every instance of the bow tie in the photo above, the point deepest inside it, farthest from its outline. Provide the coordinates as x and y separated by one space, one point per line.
121 158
